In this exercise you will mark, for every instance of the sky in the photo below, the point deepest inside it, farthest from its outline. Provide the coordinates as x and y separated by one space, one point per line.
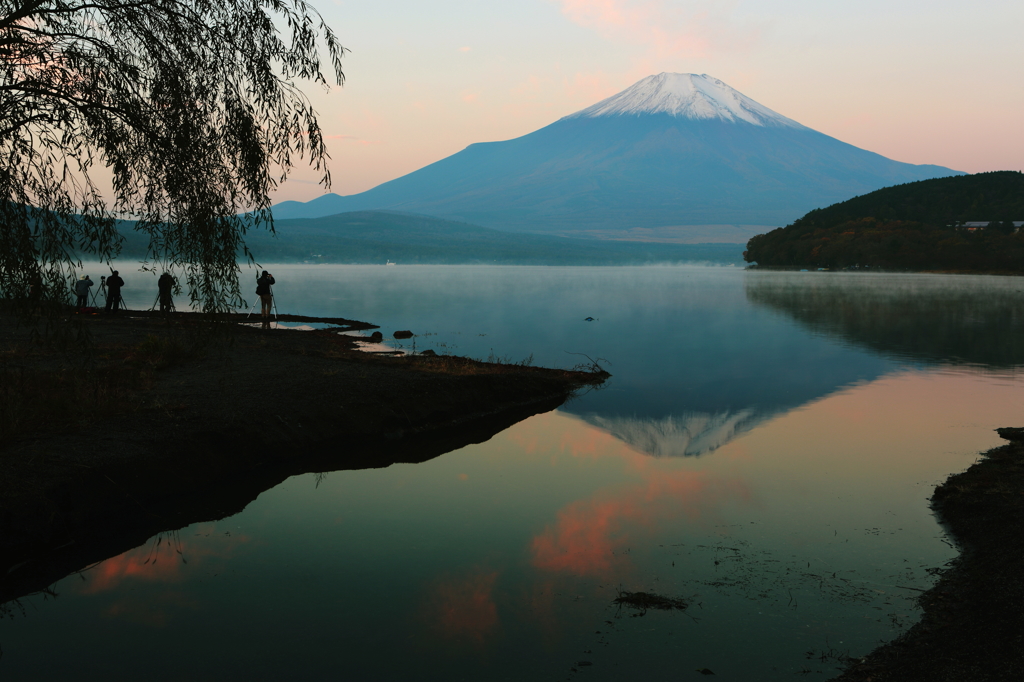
936 81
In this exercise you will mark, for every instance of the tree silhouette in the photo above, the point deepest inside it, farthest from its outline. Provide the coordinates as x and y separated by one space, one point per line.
191 106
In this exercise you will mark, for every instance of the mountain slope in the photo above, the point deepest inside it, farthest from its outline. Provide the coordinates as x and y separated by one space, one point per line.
672 150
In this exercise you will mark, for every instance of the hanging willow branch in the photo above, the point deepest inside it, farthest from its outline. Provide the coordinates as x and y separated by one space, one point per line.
191 106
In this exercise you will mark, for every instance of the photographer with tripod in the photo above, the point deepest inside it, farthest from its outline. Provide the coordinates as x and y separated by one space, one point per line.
266 294
114 284
165 285
82 291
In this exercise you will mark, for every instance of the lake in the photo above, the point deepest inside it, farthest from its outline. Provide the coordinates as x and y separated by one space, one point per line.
764 451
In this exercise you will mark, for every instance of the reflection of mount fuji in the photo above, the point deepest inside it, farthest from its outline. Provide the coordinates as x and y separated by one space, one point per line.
683 435
710 365
718 371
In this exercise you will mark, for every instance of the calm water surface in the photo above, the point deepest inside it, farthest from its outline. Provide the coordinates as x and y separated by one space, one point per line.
764 451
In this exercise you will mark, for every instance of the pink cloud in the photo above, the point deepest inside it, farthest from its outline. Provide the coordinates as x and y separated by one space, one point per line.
687 29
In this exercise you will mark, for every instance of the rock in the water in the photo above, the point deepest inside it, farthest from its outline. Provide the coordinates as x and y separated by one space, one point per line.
376 337
405 334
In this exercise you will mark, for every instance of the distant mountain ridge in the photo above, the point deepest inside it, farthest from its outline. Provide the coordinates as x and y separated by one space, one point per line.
407 238
672 151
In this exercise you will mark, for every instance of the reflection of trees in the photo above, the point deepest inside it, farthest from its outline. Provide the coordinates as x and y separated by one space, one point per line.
932 318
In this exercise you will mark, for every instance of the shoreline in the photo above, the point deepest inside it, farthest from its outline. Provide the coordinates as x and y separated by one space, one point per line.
879 271
972 626
186 428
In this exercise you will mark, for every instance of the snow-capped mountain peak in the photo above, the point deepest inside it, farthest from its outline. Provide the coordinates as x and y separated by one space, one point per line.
686 95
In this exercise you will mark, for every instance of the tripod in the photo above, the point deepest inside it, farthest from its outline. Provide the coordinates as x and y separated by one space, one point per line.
156 302
165 288
103 288
92 294
273 307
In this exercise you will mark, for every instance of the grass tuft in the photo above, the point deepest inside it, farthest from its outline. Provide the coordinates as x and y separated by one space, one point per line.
642 601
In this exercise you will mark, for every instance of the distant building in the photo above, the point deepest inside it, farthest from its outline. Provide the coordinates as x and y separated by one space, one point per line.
975 225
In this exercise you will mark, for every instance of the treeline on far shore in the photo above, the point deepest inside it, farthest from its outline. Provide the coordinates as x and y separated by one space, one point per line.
917 226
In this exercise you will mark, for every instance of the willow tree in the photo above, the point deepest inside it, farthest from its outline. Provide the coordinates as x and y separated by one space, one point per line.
176 116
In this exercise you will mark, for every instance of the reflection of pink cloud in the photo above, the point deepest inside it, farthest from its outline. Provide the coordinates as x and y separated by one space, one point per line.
161 562
581 541
464 607
112 572
587 533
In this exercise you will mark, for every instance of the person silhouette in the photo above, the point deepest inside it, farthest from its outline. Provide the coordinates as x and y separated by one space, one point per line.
114 284
166 285
82 291
266 294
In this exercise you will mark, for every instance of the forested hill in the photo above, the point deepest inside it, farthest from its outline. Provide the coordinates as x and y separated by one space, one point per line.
916 226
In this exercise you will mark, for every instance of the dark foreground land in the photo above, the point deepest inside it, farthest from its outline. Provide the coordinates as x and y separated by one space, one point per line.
147 424
973 624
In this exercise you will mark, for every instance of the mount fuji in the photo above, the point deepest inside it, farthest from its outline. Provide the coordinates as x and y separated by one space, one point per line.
675 157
